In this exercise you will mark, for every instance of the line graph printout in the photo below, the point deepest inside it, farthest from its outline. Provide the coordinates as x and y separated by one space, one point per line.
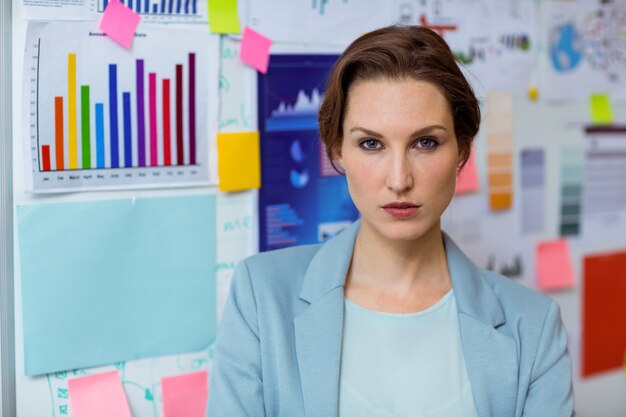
100 117
150 10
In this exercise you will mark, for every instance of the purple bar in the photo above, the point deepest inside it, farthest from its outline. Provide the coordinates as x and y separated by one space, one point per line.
141 121
192 109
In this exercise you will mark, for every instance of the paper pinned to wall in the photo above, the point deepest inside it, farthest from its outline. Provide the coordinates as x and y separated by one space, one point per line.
554 265
600 109
255 49
98 395
185 395
141 272
533 190
223 16
467 180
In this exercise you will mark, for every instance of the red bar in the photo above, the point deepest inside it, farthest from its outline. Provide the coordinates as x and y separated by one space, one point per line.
45 155
167 144
58 129
153 119
179 115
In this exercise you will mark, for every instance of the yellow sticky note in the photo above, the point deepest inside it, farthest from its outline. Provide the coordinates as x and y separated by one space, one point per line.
223 17
238 161
533 93
601 111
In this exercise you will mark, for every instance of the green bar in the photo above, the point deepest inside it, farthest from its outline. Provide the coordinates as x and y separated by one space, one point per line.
84 113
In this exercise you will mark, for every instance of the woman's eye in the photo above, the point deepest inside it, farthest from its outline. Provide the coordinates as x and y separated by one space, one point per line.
370 144
427 143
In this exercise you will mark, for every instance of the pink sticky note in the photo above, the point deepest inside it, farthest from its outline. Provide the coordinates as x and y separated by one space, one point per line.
554 265
185 395
99 395
467 180
255 50
119 23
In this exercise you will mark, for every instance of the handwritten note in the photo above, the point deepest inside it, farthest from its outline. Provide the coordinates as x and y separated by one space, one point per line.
238 161
255 50
119 23
467 180
554 265
99 395
600 107
223 17
185 395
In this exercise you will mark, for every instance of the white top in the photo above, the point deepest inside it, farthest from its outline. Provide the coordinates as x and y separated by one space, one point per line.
401 365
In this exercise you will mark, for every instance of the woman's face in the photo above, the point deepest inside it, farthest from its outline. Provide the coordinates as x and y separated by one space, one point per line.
400 155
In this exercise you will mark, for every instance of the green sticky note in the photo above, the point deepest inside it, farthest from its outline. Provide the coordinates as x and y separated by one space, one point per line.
223 17
601 111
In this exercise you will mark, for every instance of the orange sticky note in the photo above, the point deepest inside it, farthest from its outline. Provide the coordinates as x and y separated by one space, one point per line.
99 395
255 50
554 265
119 23
467 179
603 313
238 161
185 395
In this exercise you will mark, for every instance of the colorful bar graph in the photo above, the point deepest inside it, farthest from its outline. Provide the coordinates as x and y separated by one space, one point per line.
114 143
45 155
192 109
141 122
167 144
99 135
115 163
180 159
128 144
58 133
156 7
85 126
153 119
71 111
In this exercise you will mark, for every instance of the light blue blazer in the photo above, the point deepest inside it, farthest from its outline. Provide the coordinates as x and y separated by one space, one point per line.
278 347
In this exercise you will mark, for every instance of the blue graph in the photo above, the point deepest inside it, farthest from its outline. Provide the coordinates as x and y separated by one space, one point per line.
157 7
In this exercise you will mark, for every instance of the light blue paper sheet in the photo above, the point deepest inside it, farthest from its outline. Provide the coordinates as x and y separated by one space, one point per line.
107 281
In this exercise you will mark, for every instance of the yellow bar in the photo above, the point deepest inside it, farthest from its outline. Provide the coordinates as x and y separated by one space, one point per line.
71 110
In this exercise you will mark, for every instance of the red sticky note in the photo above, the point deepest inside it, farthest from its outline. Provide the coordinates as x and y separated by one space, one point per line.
604 313
119 23
255 50
99 395
185 395
554 265
467 179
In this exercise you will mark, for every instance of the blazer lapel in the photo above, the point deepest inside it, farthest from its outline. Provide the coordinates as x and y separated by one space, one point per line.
318 329
491 357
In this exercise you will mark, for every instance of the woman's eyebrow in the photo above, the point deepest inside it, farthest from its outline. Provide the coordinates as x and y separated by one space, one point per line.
419 132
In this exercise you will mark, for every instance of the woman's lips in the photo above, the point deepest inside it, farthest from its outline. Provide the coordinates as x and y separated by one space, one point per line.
401 210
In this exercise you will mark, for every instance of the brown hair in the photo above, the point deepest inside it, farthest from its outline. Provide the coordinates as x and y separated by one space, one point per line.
398 52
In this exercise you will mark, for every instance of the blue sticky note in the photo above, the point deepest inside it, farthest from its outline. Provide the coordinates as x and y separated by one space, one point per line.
106 281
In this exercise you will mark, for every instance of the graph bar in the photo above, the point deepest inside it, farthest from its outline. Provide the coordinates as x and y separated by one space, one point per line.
85 126
115 163
58 133
153 118
71 110
170 9
162 6
180 160
128 140
147 8
194 9
192 109
105 3
100 135
141 122
130 4
45 155
186 6
178 4
155 8
167 144
138 6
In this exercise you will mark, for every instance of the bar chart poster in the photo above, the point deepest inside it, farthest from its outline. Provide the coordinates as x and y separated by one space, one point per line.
102 117
164 10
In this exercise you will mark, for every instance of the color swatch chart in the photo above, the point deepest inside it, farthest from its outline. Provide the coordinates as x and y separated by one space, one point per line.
533 190
115 119
500 150
571 190
183 9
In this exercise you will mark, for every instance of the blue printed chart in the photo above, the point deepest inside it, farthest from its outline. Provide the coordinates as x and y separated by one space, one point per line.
302 198
100 117
585 49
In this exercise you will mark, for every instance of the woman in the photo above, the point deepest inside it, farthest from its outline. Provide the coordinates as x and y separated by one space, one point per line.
389 318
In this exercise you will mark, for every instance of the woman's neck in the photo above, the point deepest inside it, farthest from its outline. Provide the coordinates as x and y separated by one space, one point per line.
397 276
